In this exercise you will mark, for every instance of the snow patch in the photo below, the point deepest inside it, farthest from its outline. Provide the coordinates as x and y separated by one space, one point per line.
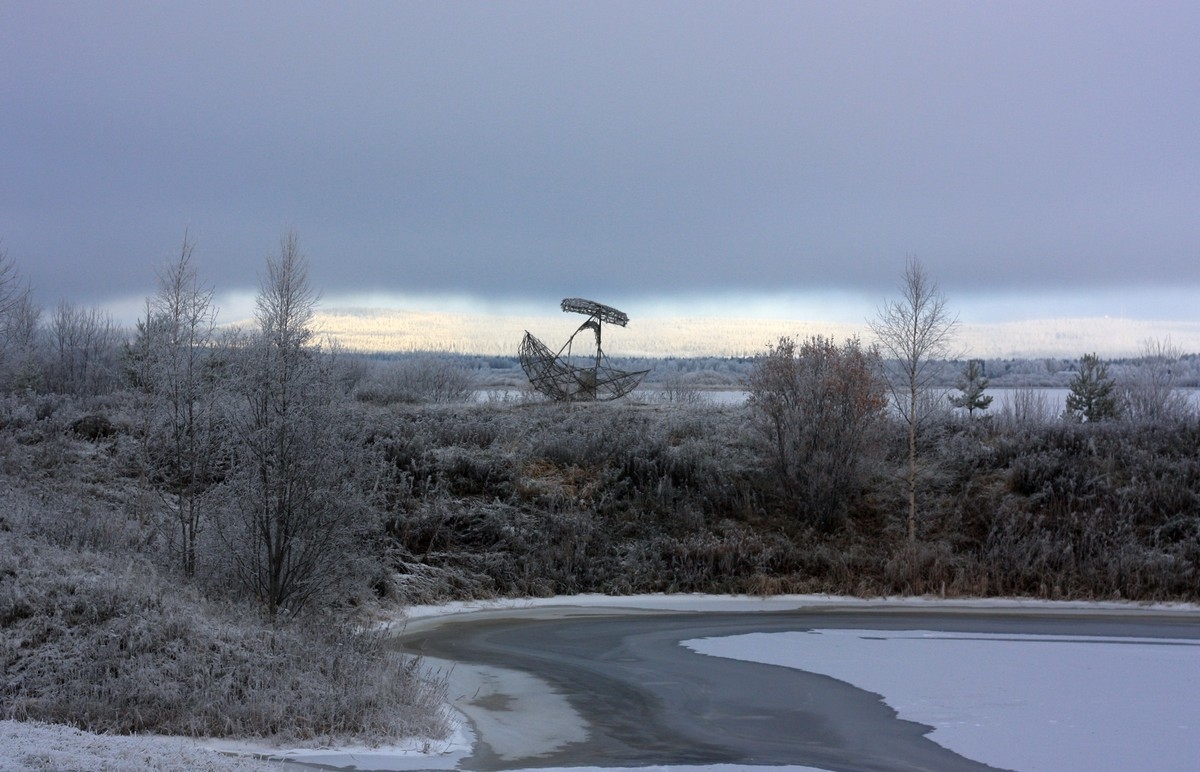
28 746
1028 702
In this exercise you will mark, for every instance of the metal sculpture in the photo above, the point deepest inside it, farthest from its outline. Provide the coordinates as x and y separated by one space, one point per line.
567 377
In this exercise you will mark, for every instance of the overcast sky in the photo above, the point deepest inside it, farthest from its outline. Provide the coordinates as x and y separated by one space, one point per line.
1041 158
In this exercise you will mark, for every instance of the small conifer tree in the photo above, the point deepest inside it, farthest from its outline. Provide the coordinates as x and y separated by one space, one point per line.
971 384
1092 396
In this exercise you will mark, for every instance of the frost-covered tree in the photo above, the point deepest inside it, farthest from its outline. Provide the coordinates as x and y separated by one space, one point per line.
1148 388
19 319
1092 397
173 360
819 404
83 346
971 385
914 332
293 511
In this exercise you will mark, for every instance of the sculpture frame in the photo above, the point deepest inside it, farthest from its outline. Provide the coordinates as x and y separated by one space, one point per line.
560 377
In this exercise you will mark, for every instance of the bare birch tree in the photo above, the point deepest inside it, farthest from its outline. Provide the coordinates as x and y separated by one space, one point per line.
175 356
293 507
83 344
18 327
915 334
10 285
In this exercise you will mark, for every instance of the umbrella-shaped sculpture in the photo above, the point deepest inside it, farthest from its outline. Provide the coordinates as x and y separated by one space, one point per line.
568 376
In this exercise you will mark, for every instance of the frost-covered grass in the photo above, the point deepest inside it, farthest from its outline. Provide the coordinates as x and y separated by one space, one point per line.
110 644
99 630
626 498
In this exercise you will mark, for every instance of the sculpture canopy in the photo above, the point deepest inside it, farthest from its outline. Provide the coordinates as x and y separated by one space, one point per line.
560 376
599 311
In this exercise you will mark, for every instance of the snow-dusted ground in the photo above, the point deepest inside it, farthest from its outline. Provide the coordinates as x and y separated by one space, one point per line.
1018 701
26 746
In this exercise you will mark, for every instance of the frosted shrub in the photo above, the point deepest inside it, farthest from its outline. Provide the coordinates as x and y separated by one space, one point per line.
108 645
678 388
417 380
1025 406
819 406
1148 390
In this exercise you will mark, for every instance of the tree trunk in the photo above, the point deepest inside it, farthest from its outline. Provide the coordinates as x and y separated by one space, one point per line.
912 465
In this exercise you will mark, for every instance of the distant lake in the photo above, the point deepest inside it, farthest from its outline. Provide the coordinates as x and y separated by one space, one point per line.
1055 398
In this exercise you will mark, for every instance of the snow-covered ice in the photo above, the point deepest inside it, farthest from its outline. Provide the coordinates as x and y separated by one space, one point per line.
1026 702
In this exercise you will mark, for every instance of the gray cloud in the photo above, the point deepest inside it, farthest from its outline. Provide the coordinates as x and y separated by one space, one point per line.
604 149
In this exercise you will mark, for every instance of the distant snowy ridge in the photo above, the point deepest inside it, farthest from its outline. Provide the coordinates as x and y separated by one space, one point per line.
394 330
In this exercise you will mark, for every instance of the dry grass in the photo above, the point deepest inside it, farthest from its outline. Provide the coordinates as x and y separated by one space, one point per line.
637 498
96 630
108 644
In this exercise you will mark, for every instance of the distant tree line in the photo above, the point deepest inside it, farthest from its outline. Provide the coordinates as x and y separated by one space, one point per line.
823 409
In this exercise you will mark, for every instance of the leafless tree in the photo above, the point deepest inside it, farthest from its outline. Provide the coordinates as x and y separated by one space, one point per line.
915 333
293 506
83 347
175 353
18 327
1148 389
347 367
10 284
1025 406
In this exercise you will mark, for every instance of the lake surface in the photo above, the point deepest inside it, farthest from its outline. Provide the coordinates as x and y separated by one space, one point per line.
1049 400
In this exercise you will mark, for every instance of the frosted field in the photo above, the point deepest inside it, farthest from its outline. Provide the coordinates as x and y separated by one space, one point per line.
1013 701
